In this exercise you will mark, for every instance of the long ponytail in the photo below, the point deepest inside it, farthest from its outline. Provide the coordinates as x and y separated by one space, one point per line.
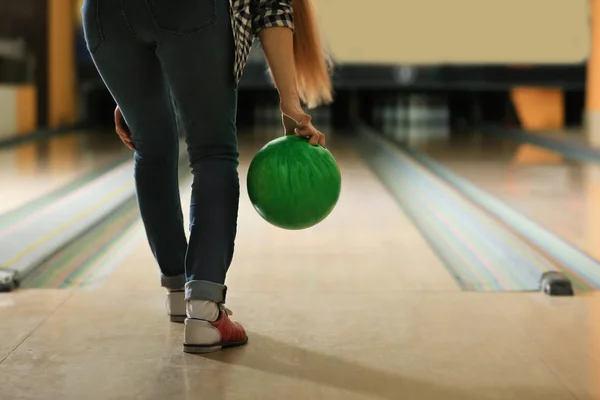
313 65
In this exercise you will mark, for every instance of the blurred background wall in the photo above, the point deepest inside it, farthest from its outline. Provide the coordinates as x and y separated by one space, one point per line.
482 62
458 31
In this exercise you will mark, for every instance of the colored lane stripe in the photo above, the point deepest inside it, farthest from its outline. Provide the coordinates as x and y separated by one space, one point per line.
575 263
106 199
41 212
464 230
419 211
476 271
88 260
480 253
11 217
120 222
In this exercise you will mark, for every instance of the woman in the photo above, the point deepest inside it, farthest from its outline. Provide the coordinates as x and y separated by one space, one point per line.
161 57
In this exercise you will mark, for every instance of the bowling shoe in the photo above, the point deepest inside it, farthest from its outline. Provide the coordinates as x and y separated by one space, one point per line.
176 305
208 328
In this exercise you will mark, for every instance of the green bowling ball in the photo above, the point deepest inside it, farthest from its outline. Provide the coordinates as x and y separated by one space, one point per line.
293 184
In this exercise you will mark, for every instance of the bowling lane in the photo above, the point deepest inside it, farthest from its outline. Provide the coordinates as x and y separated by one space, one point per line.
33 169
554 191
356 308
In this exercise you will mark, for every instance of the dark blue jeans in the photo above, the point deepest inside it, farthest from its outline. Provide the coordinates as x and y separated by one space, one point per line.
160 58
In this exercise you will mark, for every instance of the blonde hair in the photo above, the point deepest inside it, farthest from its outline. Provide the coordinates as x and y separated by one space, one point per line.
313 64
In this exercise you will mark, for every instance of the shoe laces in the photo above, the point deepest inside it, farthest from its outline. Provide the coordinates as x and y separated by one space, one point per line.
226 310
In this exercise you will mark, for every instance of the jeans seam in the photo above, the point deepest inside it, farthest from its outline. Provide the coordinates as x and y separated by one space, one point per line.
127 23
98 27
151 14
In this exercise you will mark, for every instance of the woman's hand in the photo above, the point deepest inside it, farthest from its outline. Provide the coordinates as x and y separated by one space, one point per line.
297 122
122 129
278 46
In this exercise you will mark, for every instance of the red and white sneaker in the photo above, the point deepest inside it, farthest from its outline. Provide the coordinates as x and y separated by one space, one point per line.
208 328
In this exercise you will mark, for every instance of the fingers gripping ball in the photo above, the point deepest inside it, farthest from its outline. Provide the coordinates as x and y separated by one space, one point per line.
293 184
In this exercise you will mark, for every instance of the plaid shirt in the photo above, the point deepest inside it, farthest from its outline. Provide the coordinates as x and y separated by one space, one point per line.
248 18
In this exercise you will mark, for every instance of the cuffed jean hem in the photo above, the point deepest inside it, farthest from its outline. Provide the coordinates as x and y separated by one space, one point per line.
205 290
173 282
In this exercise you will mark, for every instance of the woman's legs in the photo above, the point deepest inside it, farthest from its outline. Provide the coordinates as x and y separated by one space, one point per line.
198 68
153 54
133 74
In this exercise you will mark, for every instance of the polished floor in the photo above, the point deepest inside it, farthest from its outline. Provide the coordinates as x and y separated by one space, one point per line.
357 308
35 169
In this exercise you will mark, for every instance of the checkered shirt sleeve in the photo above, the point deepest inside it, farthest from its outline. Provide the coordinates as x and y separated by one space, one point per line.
271 13
248 18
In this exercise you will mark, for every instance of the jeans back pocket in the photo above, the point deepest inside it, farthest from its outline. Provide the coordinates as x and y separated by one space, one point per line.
92 30
183 16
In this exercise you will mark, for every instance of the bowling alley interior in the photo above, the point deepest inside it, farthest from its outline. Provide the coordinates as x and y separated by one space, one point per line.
459 257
